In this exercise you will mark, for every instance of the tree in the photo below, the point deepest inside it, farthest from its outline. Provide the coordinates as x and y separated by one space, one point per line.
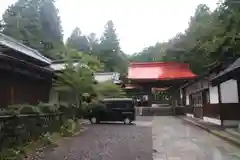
34 23
187 47
76 80
93 41
226 40
150 54
211 38
110 52
51 25
94 44
78 41
22 22
109 90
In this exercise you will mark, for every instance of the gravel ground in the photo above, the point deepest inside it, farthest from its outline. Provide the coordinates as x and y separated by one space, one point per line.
161 138
107 142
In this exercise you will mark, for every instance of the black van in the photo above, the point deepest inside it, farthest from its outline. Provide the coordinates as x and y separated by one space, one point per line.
113 109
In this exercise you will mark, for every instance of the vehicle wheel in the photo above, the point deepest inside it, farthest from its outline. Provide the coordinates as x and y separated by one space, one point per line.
93 120
127 121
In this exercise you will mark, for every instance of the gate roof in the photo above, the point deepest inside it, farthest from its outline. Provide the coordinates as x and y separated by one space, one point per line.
159 71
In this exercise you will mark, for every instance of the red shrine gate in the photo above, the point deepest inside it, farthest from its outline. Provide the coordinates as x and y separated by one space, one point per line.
144 76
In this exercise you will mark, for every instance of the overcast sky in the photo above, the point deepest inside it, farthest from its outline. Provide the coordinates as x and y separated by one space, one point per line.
139 23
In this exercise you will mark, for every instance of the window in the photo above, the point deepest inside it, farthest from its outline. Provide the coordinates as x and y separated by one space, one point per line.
119 105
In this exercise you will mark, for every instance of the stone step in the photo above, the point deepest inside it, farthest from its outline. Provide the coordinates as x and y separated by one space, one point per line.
233 132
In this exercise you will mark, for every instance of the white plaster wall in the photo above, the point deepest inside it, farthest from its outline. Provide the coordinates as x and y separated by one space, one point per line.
181 94
54 96
231 122
187 100
189 115
213 92
212 120
102 77
229 91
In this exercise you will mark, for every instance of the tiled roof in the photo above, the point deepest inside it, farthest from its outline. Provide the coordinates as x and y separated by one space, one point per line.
17 46
159 71
231 68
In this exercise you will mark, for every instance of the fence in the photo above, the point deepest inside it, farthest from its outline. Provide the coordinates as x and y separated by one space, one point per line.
211 110
224 111
154 111
230 111
188 109
17 130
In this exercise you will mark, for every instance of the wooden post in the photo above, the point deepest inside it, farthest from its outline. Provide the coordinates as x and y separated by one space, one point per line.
219 94
150 97
12 94
220 102
238 85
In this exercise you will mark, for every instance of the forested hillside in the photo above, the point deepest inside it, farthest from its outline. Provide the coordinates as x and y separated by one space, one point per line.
37 24
212 36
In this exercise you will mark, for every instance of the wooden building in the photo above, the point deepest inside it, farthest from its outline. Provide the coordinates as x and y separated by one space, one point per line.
214 96
25 74
108 76
114 77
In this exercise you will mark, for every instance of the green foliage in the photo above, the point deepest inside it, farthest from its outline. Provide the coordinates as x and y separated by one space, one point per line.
78 41
150 54
211 37
51 25
19 130
5 112
69 128
110 52
47 108
11 154
34 23
78 79
23 144
109 90
29 130
23 109
19 109
93 44
48 139
107 49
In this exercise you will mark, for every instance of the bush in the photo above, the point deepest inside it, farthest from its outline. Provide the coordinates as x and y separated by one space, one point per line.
33 129
23 109
70 111
11 154
68 128
4 112
48 108
109 90
28 109
83 112
46 139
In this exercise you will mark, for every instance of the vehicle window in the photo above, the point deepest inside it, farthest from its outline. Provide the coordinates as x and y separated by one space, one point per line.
119 105
109 105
